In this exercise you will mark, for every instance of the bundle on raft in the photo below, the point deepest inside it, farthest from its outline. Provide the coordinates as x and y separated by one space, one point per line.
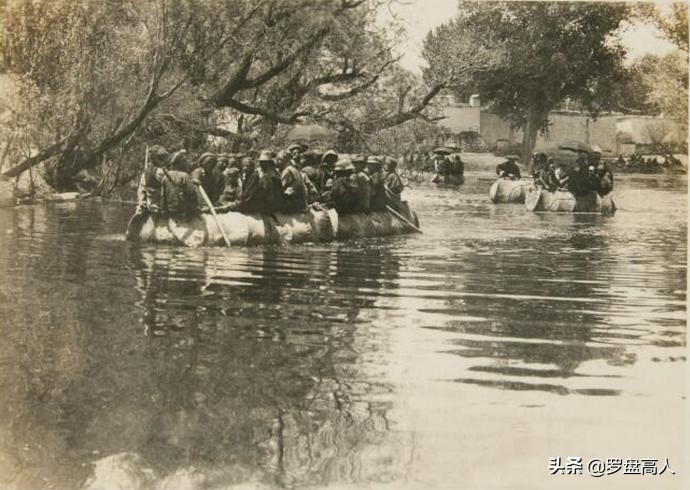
507 191
449 180
567 202
242 229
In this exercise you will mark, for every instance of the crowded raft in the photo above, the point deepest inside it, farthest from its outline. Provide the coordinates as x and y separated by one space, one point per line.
290 196
584 185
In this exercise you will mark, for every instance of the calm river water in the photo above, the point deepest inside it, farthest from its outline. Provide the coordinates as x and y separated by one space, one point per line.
464 357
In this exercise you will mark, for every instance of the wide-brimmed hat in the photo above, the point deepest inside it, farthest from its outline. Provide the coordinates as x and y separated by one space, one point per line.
374 160
267 156
232 171
295 147
207 156
512 157
344 164
330 154
358 158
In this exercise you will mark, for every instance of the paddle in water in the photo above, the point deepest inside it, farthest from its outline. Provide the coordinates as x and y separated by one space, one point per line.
213 212
140 216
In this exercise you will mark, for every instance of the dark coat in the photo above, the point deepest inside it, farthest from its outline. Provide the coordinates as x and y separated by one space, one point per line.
263 193
508 168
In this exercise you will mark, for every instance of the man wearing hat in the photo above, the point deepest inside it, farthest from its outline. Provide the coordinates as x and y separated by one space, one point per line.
376 184
247 168
179 197
442 166
149 190
360 181
311 174
263 192
294 151
392 181
328 162
206 176
343 196
509 169
294 188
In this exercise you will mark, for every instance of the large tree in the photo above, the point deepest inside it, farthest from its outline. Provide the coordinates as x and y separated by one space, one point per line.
550 52
115 71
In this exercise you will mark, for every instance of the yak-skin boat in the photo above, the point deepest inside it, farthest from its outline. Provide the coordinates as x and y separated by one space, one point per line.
508 191
315 225
567 202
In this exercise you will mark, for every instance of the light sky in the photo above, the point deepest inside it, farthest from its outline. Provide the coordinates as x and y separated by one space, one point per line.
419 16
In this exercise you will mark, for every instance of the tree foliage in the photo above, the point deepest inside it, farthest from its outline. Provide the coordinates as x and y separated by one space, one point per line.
659 85
115 73
673 23
549 52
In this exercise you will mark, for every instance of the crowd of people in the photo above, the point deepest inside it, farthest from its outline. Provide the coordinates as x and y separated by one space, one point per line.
588 173
284 182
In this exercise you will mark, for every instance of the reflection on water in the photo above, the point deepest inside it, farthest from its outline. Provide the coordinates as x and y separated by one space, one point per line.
303 366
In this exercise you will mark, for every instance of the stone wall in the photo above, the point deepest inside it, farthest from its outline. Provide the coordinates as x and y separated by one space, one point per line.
563 126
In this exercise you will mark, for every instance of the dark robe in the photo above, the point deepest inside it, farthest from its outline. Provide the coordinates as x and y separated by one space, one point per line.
262 194
508 168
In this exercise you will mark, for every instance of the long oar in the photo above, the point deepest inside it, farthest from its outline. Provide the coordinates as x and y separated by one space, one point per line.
213 212
398 215
402 218
139 217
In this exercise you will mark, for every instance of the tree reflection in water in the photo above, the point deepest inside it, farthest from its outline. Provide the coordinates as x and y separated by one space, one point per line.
239 385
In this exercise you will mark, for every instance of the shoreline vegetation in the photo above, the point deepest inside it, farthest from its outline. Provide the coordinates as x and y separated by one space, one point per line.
79 105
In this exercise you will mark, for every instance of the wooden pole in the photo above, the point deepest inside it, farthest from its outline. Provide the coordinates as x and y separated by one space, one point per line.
213 212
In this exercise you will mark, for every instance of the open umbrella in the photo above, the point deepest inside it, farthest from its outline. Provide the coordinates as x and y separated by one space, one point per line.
311 132
576 146
560 155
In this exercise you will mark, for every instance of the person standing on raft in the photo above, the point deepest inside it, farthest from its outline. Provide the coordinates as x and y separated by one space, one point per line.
263 191
509 169
362 183
206 175
376 184
294 187
149 191
232 192
179 196
343 195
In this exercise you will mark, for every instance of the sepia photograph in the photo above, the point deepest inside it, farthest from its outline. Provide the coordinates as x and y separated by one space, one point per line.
343 245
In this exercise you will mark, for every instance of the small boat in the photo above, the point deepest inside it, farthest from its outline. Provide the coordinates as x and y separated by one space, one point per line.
449 180
508 191
567 202
322 225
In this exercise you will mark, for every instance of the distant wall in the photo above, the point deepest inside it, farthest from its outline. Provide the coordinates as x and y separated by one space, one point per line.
611 132
493 128
461 119
580 127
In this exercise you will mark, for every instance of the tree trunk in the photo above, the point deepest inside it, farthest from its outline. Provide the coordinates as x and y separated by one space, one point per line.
529 137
